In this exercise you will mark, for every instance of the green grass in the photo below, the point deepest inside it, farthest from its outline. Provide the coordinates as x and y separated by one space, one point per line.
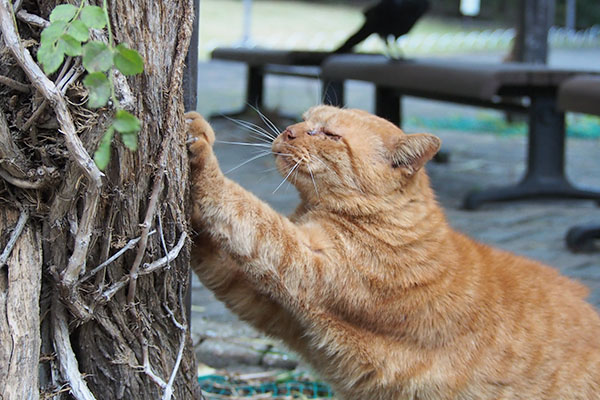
297 22
578 125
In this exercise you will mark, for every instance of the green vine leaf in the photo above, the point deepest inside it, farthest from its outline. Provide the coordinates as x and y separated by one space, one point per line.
97 57
102 155
130 140
128 126
70 45
128 61
52 32
79 30
99 89
125 122
51 56
69 33
93 17
63 12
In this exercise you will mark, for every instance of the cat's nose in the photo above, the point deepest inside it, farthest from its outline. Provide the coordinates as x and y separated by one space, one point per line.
289 134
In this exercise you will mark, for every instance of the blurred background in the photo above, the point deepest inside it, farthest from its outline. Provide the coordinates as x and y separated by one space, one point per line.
486 35
486 147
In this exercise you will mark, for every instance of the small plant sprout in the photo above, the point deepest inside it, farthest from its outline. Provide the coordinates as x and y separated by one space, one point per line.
69 34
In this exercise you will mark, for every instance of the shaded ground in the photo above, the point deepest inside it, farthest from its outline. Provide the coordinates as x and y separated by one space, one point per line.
534 229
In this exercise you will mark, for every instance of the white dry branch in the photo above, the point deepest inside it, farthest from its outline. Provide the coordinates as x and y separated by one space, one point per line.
148 269
131 244
32 19
77 152
13 237
69 366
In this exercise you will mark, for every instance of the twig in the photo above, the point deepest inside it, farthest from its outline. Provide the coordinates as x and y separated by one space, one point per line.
133 272
13 237
183 327
21 87
149 268
32 19
148 369
12 159
72 77
112 258
49 90
162 238
169 388
69 367
175 322
34 117
21 183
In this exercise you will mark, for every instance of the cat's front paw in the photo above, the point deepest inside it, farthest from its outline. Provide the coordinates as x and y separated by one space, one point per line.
199 128
202 137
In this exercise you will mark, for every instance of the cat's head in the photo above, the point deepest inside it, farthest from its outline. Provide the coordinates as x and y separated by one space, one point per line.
346 152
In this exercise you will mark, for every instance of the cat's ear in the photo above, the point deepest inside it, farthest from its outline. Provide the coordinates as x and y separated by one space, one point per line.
411 152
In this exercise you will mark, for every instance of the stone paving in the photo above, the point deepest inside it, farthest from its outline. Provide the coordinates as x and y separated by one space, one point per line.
532 228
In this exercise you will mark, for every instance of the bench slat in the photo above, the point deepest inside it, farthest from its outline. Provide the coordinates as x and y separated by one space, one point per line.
580 94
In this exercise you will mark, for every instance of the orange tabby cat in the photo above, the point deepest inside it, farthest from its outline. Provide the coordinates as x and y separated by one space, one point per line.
372 287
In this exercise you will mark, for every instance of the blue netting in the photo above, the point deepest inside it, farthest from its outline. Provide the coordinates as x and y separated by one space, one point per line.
225 386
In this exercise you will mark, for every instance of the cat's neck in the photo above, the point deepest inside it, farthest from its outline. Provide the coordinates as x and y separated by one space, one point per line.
412 202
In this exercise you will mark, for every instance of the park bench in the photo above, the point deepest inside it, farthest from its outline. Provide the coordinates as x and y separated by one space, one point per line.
581 94
516 87
263 62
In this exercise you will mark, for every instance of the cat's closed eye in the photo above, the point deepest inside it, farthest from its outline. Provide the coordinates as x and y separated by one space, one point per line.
332 135
328 134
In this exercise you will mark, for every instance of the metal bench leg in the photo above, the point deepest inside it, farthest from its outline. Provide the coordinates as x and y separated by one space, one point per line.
545 176
333 93
255 87
583 238
388 105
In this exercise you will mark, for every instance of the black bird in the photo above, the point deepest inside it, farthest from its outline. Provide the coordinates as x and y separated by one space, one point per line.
388 18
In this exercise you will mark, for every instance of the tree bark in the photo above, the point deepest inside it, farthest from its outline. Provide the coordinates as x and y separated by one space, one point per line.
20 283
108 330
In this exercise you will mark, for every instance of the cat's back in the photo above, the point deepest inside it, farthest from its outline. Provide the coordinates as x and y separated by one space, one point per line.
543 336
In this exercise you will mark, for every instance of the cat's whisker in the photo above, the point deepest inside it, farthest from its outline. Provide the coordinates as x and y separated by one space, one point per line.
260 138
266 120
244 144
287 176
266 153
252 127
313 179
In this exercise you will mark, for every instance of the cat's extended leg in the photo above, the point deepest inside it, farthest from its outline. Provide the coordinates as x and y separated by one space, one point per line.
272 252
225 278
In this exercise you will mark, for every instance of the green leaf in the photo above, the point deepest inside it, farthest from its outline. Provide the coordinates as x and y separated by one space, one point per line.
93 17
99 89
102 155
52 32
51 56
130 140
129 62
97 57
70 45
125 122
79 31
63 12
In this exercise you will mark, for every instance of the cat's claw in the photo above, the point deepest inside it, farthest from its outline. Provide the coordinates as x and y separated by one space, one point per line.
198 128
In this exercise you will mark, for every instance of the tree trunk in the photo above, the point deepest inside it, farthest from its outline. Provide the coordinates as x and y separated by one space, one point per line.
111 252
